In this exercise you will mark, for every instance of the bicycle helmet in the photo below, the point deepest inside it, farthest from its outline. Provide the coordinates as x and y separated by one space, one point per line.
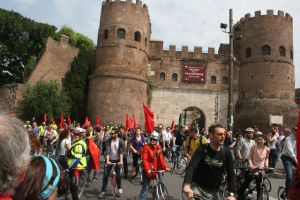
154 136
79 131
249 129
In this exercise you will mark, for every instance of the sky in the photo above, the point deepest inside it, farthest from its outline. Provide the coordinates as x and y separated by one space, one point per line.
176 22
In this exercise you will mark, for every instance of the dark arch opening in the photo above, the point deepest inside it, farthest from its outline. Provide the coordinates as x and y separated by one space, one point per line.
193 116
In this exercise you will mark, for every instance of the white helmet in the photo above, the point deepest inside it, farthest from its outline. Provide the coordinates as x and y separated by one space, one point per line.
154 135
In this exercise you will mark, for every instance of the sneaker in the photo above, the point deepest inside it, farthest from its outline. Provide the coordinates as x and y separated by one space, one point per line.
120 191
101 195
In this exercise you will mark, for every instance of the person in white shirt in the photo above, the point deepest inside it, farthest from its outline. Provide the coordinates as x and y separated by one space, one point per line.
167 135
288 156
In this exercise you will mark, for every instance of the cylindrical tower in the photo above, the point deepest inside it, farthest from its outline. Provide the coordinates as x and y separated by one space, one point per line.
267 72
118 85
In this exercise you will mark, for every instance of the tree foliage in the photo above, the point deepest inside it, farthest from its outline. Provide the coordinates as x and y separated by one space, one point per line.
76 39
76 84
21 42
43 97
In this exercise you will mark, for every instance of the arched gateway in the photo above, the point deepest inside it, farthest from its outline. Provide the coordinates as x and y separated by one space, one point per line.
193 116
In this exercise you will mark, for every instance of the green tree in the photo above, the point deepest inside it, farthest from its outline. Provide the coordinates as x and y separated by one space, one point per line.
68 31
21 41
76 84
76 39
43 97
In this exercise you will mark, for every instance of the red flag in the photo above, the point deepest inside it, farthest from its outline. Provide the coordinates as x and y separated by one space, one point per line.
172 125
98 121
298 143
45 118
149 119
61 123
69 120
126 123
134 122
86 122
130 123
94 152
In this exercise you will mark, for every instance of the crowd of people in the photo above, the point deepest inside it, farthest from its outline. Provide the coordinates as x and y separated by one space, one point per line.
35 157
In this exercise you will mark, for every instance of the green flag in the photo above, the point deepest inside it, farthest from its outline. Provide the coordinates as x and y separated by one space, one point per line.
180 122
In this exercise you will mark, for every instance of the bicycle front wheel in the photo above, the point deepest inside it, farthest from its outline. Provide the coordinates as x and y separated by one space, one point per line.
81 186
180 166
264 194
281 193
267 184
162 192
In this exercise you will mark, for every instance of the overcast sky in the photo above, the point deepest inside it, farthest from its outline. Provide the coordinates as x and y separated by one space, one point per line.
179 22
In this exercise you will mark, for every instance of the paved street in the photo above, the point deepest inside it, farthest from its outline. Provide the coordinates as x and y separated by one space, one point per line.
173 182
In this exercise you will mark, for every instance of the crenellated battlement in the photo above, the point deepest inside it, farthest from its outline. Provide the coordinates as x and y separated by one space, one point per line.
157 50
137 4
258 14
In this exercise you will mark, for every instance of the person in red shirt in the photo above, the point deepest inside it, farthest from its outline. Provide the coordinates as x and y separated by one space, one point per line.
152 160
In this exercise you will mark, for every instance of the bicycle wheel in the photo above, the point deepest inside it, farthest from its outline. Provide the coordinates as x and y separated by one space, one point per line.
81 186
161 192
281 193
180 167
267 183
264 194
197 193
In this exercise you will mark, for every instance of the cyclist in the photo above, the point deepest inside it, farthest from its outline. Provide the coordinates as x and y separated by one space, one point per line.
208 166
244 145
40 181
114 154
152 159
76 161
192 142
179 137
288 156
258 158
137 143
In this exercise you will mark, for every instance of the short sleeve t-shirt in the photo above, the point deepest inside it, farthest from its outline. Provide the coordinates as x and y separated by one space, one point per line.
244 147
114 155
65 142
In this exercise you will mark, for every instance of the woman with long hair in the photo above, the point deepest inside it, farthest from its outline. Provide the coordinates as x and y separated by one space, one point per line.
137 143
40 181
64 144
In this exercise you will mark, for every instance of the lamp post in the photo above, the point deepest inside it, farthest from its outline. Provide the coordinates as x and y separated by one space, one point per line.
230 86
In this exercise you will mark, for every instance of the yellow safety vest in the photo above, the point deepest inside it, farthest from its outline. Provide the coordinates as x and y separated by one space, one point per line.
78 150
42 130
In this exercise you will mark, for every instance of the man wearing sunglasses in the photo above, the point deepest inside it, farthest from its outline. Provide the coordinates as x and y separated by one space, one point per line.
152 160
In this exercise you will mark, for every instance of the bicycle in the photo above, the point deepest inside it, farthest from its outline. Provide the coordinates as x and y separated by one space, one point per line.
258 173
64 186
157 190
114 180
179 162
198 194
281 193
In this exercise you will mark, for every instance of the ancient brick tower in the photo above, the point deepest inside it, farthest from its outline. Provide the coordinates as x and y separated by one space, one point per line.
118 84
267 72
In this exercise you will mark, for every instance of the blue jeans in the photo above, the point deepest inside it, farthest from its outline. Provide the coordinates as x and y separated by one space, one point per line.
288 163
106 173
145 185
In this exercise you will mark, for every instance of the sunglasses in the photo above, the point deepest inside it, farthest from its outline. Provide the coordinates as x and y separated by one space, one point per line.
151 139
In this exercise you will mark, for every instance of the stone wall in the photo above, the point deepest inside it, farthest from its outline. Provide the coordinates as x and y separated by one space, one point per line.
55 61
10 94
168 103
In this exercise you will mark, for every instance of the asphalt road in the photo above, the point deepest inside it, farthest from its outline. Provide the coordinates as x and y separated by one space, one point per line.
173 182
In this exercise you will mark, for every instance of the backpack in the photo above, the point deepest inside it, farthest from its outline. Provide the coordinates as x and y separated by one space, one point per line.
190 140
